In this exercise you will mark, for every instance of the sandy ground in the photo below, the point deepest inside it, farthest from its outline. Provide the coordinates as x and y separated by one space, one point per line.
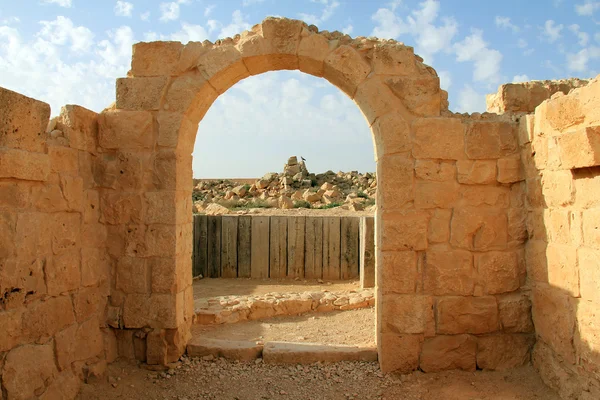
219 379
204 288
356 327
329 212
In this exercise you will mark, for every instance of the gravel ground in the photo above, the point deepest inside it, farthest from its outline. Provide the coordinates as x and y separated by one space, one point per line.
204 288
220 379
355 327
310 212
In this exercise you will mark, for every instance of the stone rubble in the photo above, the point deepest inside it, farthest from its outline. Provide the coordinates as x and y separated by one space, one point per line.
232 309
294 188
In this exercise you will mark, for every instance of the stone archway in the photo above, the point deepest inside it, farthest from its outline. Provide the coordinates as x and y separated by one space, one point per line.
168 91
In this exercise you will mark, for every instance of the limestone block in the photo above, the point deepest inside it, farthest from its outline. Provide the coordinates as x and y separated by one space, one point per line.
155 58
166 274
175 129
80 127
10 321
479 229
517 227
561 112
156 310
95 266
591 228
399 353
161 240
589 273
439 138
399 272
587 340
124 339
510 170
223 67
439 226
121 208
125 130
449 352
283 34
79 343
436 194
421 95
449 272
554 372
64 231
72 191
63 159
27 369
65 386
140 94
537 262
15 195
21 164
229 349
554 318
437 171
167 207
404 230
132 275
346 69
90 302
562 268
394 59
500 352
490 139
312 51
476 315
500 272
259 56
63 272
395 186
23 122
402 314
586 183
557 188
558 223
476 172
48 198
375 99
514 311
94 235
156 347
45 318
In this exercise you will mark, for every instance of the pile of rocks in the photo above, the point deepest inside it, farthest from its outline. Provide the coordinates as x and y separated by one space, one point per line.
293 188
232 309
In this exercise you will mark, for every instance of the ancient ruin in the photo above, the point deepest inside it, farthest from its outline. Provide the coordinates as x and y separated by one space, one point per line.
487 225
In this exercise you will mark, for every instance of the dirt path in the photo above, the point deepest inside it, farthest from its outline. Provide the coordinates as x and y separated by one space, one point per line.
204 288
219 379
356 327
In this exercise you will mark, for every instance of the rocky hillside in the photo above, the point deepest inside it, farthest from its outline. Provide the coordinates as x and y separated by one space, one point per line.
295 187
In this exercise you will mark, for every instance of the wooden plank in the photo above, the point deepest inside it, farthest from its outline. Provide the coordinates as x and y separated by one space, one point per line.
244 246
349 247
194 244
295 246
214 246
278 247
313 248
367 252
259 244
331 248
229 243
200 245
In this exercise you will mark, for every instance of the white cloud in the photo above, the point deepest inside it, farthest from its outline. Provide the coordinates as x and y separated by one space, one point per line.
445 80
62 31
470 101
237 25
145 16
209 9
504 23
123 9
582 37
348 29
170 11
190 33
587 8
247 3
552 31
422 24
522 43
520 78
10 21
61 3
328 10
486 61
213 25
578 62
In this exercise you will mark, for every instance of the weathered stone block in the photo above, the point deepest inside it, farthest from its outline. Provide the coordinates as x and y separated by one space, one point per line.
63 159
448 134
95 266
79 343
65 386
156 310
449 272
499 352
155 58
156 352
10 321
557 188
587 340
401 352
80 127
421 95
21 164
479 229
395 186
437 171
563 271
125 130
404 230
589 273
391 135
439 226
45 318
436 194
23 122
591 228
27 369
90 302
399 272
121 208
140 94
510 170
312 51
480 172
474 315
190 94
412 314
132 275
515 313
375 99
561 112
490 139
346 69
63 272
449 352
500 272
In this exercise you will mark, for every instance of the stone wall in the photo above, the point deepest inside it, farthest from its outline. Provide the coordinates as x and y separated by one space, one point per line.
54 271
560 146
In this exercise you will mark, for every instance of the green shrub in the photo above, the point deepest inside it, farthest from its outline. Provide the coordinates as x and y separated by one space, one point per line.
301 204
330 205
255 203
362 195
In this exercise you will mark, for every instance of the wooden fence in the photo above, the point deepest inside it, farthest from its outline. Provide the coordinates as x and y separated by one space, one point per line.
255 246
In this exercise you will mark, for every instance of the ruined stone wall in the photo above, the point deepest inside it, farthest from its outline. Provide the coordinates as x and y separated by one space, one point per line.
53 267
453 265
560 145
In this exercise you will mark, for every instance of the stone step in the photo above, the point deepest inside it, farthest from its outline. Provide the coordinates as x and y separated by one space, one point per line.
229 349
309 353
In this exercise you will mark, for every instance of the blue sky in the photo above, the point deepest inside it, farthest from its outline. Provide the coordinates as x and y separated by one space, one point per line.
71 52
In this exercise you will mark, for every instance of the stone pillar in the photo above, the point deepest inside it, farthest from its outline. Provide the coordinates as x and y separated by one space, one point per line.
367 252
